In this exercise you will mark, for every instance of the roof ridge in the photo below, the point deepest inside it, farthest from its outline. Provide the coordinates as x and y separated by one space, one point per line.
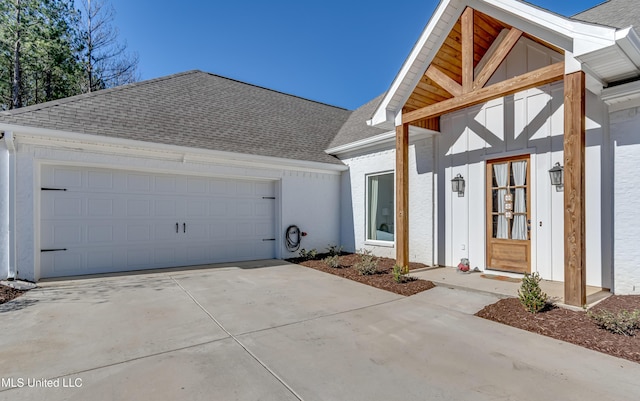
276 91
82 96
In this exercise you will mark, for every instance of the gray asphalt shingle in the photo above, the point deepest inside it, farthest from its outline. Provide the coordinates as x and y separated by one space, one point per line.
199 110
613 13
356 128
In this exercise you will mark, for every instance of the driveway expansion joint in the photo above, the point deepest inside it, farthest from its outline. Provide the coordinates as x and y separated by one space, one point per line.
237 341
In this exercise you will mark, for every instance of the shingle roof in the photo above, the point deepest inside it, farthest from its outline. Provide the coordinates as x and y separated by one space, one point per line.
356 128
613 13
196 109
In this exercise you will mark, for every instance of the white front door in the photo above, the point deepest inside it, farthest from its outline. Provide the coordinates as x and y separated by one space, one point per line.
99 220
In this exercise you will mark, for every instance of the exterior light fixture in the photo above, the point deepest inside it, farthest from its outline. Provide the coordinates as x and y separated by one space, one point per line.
457 185
556 173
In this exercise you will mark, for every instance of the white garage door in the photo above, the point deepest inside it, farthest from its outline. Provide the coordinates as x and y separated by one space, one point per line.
99 220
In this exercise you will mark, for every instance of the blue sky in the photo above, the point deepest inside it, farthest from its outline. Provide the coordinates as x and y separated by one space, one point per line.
340 52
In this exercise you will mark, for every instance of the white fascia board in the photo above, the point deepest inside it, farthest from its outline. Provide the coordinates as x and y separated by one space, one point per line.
406 79
575 36
628 41
415 133
623 92
163 151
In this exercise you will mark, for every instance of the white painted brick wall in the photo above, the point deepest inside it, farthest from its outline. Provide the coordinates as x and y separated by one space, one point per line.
308 199
420 200
625 137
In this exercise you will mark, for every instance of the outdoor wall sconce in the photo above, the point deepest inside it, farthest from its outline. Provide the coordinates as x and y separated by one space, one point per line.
556 173
457 185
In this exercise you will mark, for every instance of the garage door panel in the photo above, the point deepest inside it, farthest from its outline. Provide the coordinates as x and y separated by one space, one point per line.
68 206
99 234
66 177
100 207
197 207
138 208
62 263
100 179
138 232
112 220
165 207
218 208
137 183
139 258
197 186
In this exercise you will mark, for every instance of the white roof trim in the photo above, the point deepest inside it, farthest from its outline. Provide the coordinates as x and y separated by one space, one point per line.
574 36
415 133
622 97
201 154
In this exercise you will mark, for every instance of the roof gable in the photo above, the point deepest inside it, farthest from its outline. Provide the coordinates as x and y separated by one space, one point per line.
199 110
439 46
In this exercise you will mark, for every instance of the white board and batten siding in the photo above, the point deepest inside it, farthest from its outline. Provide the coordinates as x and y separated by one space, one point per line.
530 122
95 220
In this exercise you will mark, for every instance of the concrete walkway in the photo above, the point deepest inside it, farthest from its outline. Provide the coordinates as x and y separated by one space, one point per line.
494 282
274 331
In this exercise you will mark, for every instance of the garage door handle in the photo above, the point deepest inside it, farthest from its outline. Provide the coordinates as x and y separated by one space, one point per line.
177 228
53 250
184 227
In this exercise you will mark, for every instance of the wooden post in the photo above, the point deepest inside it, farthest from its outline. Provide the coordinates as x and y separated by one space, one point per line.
402 195
467 50
575 279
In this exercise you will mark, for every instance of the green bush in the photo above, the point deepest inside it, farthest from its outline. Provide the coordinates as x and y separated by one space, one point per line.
530 294
368 263
399 274
623 322
335 250
332 261
308 255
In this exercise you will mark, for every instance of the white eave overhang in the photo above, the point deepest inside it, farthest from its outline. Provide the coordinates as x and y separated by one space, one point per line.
80 141
381 140
598 47
617 62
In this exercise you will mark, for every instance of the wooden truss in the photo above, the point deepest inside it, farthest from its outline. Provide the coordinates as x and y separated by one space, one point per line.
451 83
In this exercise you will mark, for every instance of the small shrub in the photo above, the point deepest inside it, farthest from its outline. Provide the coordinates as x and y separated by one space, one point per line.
308 255
368 263
399 274
623 322
530 294
332 261
335 250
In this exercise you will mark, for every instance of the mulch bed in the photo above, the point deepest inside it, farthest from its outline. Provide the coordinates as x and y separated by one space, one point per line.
383 280
8 293
571 326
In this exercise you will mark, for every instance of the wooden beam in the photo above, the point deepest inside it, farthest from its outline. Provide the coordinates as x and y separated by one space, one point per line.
575 278
497 57
402 195
467 50
443 80
542 76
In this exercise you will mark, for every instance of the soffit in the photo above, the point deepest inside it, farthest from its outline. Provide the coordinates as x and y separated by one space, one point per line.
448 58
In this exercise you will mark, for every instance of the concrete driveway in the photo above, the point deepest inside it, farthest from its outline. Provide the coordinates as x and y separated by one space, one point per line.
274 331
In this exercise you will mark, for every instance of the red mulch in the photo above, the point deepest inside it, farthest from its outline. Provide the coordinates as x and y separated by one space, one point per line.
8 293
571 326
383 280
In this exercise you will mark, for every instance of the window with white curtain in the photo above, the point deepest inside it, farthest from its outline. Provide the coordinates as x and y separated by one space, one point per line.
509 193
380 207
